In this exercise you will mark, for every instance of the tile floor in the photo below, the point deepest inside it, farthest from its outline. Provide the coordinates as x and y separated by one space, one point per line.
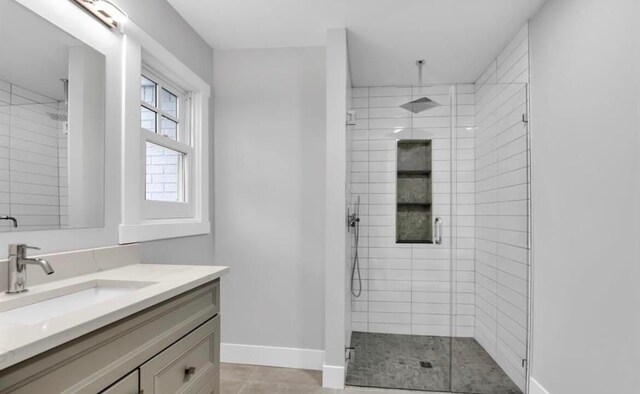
416 362
251 379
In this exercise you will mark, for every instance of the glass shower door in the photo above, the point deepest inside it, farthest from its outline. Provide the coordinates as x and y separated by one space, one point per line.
449 316
401 322
491 241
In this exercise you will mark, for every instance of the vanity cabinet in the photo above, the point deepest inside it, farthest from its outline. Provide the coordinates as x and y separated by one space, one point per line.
172 347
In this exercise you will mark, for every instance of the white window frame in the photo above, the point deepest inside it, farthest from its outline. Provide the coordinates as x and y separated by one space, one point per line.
152 209
184 107
142 219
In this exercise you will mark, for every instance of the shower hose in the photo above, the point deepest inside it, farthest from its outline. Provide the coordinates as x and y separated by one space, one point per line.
355 267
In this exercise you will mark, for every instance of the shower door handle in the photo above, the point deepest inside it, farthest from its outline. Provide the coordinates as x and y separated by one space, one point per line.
437 231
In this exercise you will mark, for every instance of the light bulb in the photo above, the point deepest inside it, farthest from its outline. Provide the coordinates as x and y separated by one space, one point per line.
112 10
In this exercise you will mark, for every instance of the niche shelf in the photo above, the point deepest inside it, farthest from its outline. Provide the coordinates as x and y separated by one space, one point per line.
413 192
414 172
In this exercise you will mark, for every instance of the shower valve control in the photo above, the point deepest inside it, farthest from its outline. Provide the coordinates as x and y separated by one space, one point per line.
352 220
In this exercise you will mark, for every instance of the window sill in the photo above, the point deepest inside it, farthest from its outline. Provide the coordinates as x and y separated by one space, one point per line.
162 230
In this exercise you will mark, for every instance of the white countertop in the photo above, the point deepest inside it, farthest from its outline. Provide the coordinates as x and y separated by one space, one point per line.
18 343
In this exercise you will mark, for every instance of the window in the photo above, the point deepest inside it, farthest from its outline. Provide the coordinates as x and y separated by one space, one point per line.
165 176
163 112
166 115
165 130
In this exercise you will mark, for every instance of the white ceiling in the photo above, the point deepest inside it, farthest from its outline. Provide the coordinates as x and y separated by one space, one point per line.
458 38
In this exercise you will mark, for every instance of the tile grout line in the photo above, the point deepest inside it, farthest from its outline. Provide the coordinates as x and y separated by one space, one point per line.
255 368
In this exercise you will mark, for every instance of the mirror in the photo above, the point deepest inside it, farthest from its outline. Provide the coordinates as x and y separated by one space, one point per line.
52 99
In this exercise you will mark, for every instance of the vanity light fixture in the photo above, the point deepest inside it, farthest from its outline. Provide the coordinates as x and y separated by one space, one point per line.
106 11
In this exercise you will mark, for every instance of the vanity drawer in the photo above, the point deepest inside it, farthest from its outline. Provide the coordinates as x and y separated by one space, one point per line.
128 385
187 366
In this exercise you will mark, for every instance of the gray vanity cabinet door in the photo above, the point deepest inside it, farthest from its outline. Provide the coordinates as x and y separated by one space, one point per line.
190 365
128 385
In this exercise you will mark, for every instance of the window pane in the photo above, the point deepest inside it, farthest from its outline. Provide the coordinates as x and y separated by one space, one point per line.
147 119
169 128
169 103
165 174
148 91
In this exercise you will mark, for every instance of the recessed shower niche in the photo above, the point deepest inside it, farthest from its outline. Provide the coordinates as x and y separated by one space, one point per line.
413 192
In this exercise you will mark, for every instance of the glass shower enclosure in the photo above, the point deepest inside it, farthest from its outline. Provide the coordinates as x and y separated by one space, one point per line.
443 238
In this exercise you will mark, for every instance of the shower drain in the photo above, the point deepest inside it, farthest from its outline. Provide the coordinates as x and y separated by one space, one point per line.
426 364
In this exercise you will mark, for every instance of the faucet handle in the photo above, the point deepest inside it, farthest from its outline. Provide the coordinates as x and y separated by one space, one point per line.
20 249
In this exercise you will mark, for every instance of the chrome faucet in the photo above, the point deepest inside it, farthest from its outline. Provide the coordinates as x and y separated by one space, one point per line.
18 267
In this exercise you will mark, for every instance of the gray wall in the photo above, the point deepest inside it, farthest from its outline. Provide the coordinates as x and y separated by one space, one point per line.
584 106
335 232
269 133
160 20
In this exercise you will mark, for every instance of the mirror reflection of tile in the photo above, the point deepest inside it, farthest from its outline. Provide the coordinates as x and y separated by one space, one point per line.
51 125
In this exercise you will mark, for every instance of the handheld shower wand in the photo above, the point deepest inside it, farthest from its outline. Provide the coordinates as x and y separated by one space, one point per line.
353 221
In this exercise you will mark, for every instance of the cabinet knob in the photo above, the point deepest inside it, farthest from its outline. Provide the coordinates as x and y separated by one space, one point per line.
188 372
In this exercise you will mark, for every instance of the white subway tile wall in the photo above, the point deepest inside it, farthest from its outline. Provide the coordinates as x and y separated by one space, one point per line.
63 176
30 160
501 260
420 289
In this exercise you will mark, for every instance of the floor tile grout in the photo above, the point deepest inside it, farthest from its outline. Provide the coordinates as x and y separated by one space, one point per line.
255 368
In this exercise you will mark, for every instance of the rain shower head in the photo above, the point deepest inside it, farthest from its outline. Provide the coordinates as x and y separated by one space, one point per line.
419 105
423 103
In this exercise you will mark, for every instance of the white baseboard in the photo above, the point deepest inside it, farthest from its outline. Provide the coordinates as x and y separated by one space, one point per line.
332 377
536 388
272 356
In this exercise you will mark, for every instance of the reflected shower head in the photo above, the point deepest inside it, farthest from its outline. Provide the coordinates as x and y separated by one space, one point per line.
62 115
58 116
423 103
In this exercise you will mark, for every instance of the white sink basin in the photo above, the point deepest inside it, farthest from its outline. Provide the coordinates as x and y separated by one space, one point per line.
37 307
